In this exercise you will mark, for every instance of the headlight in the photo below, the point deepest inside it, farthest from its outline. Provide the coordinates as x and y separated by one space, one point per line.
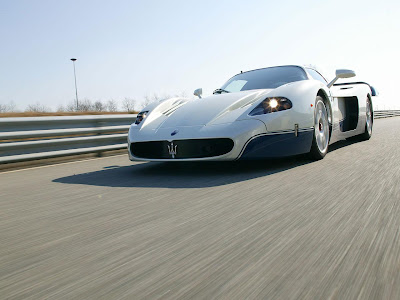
141 116
270 105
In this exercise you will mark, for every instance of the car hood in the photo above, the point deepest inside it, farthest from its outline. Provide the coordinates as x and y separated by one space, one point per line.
211 110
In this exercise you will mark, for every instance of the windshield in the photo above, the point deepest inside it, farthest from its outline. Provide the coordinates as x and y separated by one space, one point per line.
268 78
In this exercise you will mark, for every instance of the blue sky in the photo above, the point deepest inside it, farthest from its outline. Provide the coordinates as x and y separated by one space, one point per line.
137 48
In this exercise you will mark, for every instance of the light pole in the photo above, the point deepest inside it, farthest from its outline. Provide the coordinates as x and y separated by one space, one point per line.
76 88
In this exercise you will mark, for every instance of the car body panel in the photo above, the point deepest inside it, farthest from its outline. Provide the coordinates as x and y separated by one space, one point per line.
340 96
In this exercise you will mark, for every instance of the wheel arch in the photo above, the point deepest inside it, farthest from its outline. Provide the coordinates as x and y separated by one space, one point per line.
322 93
372 106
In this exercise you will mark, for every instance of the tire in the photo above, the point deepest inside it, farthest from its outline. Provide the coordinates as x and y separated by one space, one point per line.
320 143
369 122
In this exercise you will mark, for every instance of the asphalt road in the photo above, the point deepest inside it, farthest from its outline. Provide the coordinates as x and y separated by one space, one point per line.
287 229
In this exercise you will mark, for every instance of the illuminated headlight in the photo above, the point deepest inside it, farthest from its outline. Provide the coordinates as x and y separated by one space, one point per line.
270 105
141 116
273 103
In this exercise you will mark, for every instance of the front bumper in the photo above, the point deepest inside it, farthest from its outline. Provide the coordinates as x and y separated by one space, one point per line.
238 132
250 141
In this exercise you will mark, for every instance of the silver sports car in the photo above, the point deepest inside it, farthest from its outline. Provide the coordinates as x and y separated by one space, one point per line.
264 113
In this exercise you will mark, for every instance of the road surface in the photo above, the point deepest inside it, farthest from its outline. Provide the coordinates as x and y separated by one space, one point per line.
287 229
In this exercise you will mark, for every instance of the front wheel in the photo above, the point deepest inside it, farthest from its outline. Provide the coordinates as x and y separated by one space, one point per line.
320 142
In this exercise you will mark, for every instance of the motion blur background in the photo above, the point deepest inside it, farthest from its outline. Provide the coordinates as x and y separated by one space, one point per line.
138 48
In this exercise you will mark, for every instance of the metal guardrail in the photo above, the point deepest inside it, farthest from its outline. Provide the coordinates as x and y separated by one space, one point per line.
378 114
23 139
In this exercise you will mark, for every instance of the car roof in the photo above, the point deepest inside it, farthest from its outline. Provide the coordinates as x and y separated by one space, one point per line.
241 72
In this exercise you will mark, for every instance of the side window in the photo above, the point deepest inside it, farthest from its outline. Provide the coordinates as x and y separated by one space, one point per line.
314 74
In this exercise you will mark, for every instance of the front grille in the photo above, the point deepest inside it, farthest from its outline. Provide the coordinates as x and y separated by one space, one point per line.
198 148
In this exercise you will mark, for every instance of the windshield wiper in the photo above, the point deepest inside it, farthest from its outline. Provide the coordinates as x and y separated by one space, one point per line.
220 91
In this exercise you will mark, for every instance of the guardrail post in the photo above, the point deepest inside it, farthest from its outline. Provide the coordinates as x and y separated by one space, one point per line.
99 123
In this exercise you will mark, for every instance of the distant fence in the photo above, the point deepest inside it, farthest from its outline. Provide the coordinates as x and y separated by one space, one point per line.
23 139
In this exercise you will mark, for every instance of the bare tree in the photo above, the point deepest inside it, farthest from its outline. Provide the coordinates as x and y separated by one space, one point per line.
147 100
71 106
99 106
37 107
3 108
112 105
85 105
154 98
10 107
128 104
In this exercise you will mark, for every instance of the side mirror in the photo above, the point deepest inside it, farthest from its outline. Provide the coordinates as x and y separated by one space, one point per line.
342 73
198 92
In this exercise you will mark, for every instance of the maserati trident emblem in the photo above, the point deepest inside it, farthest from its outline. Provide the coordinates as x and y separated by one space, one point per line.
172 149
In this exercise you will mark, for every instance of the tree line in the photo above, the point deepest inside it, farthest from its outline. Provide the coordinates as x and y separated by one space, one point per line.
127 104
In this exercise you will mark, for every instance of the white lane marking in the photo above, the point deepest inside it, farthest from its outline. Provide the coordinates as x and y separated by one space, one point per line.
65 163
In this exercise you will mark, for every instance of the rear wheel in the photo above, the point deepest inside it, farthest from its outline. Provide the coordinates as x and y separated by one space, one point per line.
369 122
320 142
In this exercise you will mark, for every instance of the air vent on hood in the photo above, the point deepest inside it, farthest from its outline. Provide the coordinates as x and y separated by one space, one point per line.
173 108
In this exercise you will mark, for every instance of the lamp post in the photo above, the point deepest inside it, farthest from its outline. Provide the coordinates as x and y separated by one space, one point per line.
76 88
